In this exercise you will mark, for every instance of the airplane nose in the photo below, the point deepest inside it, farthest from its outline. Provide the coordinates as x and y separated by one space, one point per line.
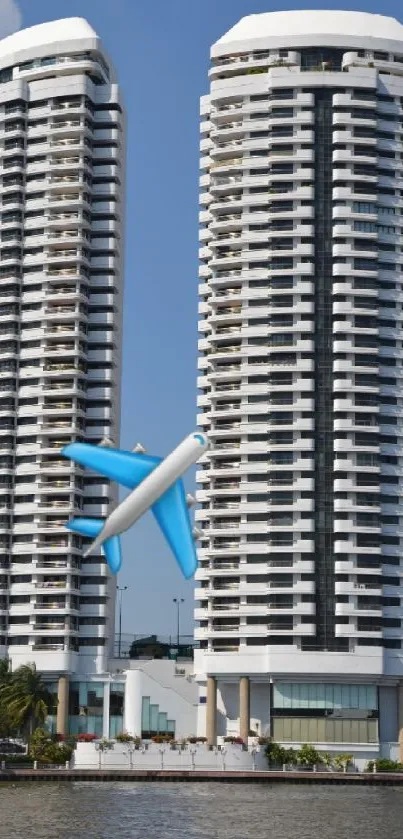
200 439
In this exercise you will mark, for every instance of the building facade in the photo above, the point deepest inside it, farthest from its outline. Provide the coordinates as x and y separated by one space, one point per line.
62 203
299 599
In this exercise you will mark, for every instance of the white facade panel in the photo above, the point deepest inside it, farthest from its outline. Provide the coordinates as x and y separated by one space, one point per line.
300 351
61 289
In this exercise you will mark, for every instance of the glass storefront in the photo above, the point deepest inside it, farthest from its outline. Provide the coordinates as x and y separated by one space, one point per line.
86 708
324 713
116 708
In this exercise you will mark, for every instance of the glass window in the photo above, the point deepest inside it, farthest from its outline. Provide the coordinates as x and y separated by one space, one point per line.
86 708
325 696
322 730
116 708
366 226
154 718
363 207
145 715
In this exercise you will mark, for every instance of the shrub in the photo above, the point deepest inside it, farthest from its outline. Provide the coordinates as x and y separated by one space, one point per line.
308 755
342 761
200 740
86 738
161 738
104 745
383 764
56 753
45 749
275 753
124 737
253 71
290 756
16 759
235 740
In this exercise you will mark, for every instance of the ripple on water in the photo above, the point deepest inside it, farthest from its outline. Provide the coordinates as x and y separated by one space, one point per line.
199 811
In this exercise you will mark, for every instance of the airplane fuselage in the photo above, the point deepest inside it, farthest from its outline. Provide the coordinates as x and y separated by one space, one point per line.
152 488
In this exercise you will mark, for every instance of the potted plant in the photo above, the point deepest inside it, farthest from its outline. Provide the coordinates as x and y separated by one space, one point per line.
384 764
326 759
124 737
86 737
308 756
102 746
343 761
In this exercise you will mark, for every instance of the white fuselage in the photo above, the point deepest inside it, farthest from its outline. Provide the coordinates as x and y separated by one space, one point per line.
152 487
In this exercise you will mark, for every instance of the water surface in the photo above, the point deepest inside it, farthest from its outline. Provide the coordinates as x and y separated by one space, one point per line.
199 811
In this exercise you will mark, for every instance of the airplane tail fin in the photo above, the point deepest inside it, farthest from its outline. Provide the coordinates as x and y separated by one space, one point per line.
111 547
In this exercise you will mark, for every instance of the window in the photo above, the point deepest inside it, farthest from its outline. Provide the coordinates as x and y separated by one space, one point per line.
327 696
364 207
366 227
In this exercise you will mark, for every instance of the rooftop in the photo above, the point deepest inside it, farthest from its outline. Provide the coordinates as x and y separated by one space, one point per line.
314 23
66 29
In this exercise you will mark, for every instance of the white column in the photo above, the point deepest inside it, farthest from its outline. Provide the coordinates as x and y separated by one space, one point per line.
400 719
133 702
107 699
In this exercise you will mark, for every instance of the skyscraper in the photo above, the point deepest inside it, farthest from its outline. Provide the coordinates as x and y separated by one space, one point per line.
62 181
299 603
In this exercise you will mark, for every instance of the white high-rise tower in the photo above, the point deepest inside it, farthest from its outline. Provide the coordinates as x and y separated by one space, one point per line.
61 193
299 597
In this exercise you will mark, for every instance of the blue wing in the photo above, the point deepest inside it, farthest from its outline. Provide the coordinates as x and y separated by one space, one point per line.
127 468
130 469
172 514
111 547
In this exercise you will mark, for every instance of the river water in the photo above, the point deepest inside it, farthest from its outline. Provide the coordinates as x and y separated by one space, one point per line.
199 811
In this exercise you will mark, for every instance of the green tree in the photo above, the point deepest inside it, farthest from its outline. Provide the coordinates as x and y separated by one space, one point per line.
45 749
276 754
5 677
308 755
26 698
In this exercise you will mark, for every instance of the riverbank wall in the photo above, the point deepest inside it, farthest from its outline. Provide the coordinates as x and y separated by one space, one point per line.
60 775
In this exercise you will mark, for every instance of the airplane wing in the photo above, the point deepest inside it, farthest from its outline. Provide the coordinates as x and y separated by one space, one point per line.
127 468
172 514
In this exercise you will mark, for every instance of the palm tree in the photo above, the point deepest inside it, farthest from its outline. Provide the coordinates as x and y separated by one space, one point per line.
5 671
26 698
5 676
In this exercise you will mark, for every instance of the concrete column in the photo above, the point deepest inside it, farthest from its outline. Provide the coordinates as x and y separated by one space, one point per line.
400 719
211 711
244 708
62 719
106 710
133 702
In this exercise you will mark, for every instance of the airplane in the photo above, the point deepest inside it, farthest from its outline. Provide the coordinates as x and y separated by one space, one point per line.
155 482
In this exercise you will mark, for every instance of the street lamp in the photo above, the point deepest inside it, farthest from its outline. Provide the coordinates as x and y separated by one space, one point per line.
120 589
178 601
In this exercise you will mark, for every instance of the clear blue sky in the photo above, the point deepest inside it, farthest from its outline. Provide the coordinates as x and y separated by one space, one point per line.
160 49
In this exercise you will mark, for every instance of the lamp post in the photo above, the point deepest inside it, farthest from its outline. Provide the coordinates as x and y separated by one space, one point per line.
120 589
178 601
